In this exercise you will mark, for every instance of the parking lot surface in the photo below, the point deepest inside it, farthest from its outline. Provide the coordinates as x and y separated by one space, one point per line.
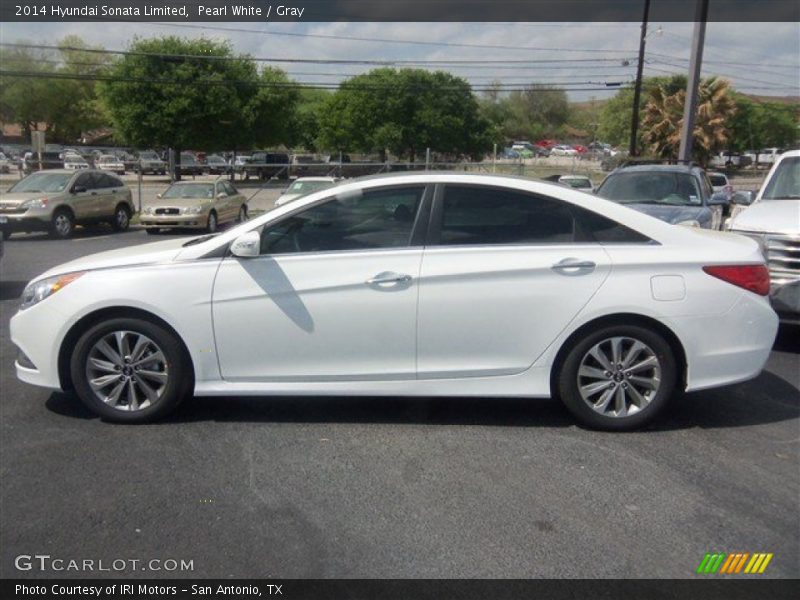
393 487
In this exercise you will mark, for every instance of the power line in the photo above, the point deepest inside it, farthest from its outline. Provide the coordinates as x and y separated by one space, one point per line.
279 84
382 62
383 40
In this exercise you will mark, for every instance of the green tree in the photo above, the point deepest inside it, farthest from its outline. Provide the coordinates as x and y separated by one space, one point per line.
306 124
404 111
56 88
196 94
759 124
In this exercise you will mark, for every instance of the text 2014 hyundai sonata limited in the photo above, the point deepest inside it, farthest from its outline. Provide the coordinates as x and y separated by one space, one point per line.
411 285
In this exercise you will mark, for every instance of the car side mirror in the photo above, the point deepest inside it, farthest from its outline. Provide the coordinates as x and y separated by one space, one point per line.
78 189
247 245
744 198
222 195
719 199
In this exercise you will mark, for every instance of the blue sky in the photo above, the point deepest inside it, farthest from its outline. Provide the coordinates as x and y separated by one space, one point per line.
759 58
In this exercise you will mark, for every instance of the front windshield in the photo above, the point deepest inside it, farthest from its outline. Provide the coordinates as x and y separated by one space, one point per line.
148 155
73 159
672 188
306 187
785 181
190 190
42 182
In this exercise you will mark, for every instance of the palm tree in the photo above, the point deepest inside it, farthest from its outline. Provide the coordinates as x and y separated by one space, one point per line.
663 119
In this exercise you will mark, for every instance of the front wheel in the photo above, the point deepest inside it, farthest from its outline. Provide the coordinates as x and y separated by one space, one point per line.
211 226
242 214
130 370
62 225
122 218
617 378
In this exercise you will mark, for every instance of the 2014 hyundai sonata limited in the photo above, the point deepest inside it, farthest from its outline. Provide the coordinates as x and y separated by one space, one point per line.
412 285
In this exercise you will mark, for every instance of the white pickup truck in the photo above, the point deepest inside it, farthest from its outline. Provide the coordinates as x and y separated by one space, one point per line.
773 219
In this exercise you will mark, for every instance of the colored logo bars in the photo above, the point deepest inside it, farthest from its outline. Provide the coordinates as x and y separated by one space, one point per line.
727 564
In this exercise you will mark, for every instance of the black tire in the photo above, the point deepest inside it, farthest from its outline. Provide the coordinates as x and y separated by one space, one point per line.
122 218
152 231
62 224
566 382
180 380
6 233
242 216
211 224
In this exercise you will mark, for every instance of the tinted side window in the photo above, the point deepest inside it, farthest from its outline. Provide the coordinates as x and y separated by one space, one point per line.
86 180
104 180
592 227
382 218
229 189
489 215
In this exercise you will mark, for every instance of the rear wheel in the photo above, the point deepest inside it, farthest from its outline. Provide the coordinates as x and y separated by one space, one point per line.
62 224
122 218
618 378
130 370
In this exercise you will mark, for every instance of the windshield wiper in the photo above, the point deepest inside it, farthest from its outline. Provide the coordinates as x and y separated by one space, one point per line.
200 240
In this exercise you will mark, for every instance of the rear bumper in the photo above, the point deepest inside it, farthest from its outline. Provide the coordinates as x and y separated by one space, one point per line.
733 347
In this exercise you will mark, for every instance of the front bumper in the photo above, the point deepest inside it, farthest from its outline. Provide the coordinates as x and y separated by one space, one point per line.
785 299
25 221
159 221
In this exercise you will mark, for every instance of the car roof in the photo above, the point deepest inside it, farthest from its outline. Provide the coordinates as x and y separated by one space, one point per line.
194 182
660 168
315 179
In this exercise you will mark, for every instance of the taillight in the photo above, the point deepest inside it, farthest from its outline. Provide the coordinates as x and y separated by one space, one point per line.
754 278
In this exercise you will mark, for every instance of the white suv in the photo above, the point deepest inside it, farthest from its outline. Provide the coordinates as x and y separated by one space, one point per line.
774 221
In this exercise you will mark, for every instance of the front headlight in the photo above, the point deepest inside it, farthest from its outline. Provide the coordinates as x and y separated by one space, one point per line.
34 203
148 210
689 223
192 210
39 290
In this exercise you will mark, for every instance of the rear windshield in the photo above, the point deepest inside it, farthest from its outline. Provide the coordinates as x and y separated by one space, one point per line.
718 180
306 187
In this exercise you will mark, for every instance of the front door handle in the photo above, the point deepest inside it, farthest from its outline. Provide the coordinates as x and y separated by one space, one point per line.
388 277
574 266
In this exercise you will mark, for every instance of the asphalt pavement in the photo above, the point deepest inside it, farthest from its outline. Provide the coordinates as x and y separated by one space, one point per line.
392 487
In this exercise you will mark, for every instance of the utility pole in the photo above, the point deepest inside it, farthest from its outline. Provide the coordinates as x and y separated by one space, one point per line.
637 90
695 65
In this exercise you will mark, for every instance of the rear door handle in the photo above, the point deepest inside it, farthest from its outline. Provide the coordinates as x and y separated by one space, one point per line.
388 277
573 266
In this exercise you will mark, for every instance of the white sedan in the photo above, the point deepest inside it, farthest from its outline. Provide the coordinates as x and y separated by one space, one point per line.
563 150
413 285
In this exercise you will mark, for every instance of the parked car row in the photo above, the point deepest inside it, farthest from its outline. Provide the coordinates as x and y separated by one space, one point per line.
57 200
544 148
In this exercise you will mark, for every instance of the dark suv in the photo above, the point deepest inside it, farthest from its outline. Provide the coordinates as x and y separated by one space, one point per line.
680 194
266 165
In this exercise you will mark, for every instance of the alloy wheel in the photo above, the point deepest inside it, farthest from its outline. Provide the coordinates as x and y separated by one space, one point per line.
619 376
127 370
